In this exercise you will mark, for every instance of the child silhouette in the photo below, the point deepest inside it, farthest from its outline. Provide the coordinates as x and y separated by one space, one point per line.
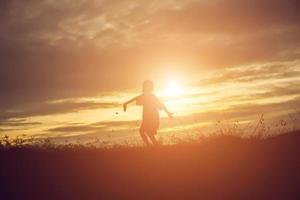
151 105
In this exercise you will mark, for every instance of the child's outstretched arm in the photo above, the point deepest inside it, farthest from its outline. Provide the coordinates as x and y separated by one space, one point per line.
128 102
170 114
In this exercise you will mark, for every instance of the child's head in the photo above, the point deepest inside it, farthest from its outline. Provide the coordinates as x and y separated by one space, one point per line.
147 87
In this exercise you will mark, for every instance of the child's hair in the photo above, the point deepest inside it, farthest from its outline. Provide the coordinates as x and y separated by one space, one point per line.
148 86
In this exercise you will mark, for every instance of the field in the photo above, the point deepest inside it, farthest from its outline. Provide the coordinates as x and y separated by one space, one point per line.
219 167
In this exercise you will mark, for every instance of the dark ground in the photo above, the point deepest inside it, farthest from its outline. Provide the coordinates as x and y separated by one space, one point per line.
220 168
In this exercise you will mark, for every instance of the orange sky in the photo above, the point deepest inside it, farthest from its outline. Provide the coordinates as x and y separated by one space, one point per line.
67 66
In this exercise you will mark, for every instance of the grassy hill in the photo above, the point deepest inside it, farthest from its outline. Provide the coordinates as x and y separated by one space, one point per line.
222 167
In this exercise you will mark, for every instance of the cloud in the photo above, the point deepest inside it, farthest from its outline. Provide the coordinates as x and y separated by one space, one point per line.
51 108
255 72
56 49
73 129
241 112
286 90
18 123
254 109
101 127
231 16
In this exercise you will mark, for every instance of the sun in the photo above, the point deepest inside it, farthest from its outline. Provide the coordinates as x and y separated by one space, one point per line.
172 88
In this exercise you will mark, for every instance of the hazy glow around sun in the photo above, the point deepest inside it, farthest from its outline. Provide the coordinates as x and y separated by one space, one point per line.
172 88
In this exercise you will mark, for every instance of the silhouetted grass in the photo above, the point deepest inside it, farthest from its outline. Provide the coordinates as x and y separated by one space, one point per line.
224 165
216 167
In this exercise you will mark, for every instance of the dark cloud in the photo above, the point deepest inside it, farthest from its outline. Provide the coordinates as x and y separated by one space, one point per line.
102 126
257 72
56 49
243 111
74 129
287 90
255 109
19 123
234 16
230 32
43 109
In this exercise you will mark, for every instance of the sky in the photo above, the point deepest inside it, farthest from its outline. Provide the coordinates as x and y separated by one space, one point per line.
66 66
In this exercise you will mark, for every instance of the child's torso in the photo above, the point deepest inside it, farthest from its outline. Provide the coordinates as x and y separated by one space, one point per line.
151 105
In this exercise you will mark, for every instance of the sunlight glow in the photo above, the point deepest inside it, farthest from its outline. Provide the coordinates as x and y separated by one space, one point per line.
172 88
